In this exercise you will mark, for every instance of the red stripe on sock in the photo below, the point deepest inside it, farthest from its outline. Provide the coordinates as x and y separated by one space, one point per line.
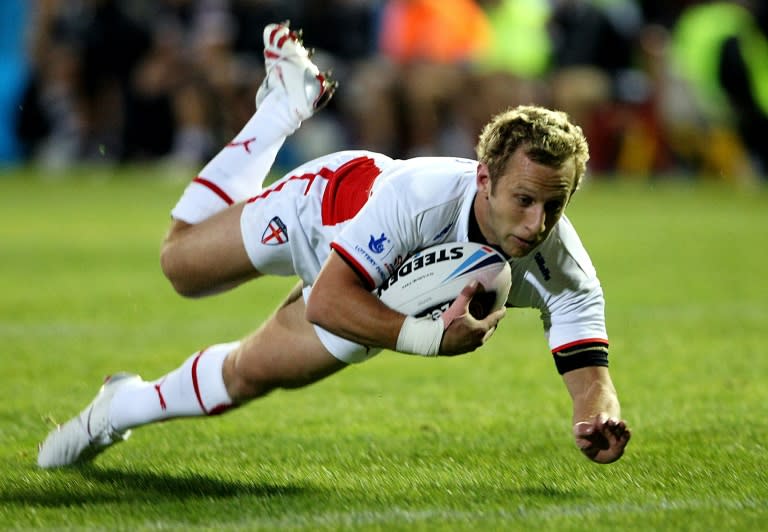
195 384
163 405
246 144
220 409
214 188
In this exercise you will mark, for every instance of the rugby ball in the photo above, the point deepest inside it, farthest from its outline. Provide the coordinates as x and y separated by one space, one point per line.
431 279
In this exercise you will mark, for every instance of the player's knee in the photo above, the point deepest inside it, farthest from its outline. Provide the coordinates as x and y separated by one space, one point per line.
168 264
174 260
244 384
242 390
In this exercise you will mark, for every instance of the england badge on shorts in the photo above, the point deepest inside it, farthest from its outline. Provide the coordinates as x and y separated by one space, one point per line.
275 233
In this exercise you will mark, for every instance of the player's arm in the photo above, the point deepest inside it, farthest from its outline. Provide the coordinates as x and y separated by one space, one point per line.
342 303
573 312
598 429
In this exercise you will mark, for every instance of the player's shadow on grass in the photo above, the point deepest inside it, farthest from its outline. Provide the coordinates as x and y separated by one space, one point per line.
117 485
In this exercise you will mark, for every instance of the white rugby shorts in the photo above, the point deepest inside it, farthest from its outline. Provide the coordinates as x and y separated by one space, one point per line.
284 233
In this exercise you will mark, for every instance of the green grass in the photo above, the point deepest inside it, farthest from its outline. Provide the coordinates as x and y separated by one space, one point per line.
480 442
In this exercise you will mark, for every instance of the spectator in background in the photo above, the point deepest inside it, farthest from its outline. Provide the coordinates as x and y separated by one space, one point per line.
169 79
431 44
136 81
50 124
512 69
181 95
438 31
699 40
593 73
743 74
113 43
189 75
519 43
77 99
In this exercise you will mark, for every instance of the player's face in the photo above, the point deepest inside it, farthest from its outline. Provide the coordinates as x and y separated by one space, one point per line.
526 203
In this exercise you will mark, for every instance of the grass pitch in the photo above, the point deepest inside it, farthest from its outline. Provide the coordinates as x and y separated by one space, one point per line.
480 442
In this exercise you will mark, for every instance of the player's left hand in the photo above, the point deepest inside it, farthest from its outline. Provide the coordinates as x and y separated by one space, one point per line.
602 439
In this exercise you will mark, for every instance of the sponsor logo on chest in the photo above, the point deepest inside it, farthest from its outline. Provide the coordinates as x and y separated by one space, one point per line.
420 261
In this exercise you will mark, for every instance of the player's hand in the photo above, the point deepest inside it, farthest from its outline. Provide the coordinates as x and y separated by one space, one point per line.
602 439
463 332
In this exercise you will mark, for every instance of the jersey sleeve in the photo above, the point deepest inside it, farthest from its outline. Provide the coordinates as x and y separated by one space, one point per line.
560 280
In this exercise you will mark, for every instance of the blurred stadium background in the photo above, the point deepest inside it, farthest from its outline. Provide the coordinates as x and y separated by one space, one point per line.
661 88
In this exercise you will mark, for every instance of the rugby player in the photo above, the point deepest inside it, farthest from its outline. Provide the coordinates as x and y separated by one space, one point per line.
343 223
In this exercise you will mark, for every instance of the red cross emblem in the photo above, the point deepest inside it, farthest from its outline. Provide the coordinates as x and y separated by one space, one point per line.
275 233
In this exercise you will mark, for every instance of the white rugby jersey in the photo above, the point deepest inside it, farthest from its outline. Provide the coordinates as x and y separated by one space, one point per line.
425 201
375 212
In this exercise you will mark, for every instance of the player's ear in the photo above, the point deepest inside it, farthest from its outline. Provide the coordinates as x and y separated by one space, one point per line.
483 179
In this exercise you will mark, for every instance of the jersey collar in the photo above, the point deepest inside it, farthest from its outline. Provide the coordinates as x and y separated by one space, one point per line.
475 235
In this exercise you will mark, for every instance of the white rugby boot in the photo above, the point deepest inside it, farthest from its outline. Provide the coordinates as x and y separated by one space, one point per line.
290 69
86 435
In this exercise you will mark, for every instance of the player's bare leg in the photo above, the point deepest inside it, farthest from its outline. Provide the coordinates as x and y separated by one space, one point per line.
284 353
208 257
204 253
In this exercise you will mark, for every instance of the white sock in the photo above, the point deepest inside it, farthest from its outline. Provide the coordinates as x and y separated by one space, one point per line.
196 388
238 171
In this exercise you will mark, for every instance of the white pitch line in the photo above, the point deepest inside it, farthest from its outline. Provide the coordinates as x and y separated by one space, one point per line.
397 516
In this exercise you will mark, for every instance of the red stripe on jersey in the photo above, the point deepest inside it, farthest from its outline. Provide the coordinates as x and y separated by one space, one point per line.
355 265
580 342
195 384
214 188
325 173
349 187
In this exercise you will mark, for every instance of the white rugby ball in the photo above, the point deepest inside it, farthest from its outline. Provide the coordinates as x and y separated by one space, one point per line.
431 279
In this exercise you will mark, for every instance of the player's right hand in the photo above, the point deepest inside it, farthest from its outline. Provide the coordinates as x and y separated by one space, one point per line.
602 439
463 332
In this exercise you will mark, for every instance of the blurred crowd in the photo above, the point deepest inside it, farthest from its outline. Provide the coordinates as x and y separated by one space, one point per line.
659 87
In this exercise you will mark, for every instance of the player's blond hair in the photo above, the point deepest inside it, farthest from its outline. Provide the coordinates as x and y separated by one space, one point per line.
548 137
